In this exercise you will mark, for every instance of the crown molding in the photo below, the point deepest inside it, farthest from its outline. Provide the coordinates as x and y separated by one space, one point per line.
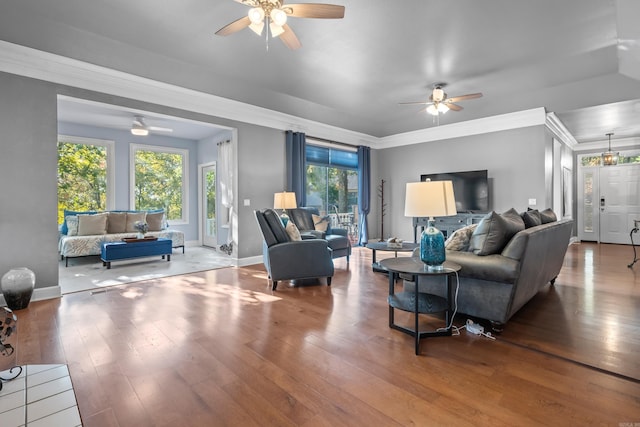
37 64
519 119
559 129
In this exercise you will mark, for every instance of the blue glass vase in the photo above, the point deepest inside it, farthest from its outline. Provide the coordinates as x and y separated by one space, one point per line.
432 248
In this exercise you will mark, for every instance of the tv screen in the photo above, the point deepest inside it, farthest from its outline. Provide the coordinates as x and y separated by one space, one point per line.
470 188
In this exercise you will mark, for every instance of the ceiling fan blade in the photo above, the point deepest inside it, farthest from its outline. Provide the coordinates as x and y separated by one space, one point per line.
416 102
464 97
250 3
159 129
314 10
453 106
234 26
289 38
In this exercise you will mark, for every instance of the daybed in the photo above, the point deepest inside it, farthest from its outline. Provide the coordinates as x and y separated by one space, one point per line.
83 233
506 259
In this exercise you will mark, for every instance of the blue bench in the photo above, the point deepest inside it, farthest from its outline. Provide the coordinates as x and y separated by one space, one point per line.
114 251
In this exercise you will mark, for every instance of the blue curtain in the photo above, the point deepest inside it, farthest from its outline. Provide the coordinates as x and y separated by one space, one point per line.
364 191
296 167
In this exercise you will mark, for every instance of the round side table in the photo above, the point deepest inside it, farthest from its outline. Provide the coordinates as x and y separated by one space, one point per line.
419 302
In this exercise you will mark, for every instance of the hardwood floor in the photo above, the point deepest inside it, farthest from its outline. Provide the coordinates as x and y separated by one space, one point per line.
219 348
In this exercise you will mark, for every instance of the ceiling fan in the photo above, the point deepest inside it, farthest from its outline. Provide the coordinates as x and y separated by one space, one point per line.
275 13
439 102
140 128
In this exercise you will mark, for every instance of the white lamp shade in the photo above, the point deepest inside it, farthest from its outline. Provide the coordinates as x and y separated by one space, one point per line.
276 30
285 200
429 199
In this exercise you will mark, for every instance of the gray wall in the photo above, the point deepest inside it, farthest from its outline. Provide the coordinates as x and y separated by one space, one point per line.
28 165
28 170
515 160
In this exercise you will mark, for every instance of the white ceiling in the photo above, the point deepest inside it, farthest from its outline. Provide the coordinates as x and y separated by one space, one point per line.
577 58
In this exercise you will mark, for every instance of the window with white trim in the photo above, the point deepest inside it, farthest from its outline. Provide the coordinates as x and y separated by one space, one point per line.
159 180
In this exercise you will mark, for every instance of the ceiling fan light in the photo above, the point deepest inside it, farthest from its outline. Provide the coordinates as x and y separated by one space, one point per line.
432 109
257 28
276 29
438 94
139 130
256 15
442 108
278 17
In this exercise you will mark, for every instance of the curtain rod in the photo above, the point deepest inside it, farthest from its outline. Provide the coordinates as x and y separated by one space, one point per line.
344 144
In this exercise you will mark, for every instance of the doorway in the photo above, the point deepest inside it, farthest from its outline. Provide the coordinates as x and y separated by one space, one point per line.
609 200
208 204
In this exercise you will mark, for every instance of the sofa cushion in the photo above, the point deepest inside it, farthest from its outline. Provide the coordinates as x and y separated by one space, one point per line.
89 225
116 222
515 222
547 216
155 220
292 231
490 236
132 218
459 239
531 218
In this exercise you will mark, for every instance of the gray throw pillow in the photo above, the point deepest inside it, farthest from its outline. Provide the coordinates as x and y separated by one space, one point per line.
155 220
515 223
116 222
132 218
91 225
531 218
547 216
490 236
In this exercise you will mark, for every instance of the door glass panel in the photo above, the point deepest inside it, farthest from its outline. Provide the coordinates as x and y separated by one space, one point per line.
210 182
588 202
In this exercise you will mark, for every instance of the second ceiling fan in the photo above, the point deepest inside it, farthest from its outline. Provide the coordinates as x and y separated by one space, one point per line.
274 13
440 102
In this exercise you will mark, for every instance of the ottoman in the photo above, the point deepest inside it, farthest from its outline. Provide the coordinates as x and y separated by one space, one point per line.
114 251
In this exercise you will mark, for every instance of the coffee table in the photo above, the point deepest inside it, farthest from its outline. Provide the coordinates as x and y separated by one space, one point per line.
420 302
382 246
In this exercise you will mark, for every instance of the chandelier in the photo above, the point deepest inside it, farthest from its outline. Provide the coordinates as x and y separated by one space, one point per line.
610 158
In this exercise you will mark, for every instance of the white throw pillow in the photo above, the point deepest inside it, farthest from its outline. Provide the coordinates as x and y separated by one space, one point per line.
320 223
72 225
292 231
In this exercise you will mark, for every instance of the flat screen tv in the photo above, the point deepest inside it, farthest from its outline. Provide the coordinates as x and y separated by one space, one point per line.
470 188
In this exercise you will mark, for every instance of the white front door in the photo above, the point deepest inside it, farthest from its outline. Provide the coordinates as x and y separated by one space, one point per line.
208 213
619 202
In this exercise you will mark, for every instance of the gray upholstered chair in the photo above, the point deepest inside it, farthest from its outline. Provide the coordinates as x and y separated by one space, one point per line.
285 259
338 238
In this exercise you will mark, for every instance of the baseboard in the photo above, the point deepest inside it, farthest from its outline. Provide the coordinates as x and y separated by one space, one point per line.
40 294
243 262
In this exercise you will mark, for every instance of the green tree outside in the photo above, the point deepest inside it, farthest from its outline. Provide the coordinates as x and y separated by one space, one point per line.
158 182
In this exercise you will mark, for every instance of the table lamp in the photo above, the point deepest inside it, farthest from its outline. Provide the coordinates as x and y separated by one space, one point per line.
285 200
430 199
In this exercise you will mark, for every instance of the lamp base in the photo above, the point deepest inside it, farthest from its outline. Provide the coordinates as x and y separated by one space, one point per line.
284 218
432 251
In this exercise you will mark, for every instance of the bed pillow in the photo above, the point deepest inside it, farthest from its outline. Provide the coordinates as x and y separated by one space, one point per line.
91 225
155 220
132 218
116 222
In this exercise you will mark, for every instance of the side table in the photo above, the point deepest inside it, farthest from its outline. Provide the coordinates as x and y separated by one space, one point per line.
419 302
382 246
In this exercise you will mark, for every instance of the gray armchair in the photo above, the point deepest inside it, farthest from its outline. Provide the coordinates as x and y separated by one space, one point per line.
285 259
338 238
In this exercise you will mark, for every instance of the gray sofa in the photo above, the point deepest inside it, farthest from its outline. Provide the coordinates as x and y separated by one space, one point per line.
338 238
495 286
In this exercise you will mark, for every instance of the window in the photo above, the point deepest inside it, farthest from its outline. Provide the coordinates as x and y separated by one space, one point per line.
159 180
625 157
85 174
332 182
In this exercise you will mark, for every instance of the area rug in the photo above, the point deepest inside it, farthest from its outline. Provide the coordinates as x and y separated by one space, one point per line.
87 273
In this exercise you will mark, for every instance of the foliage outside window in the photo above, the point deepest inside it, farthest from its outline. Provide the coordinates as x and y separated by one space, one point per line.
160 180
332 179
83 175
625 158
